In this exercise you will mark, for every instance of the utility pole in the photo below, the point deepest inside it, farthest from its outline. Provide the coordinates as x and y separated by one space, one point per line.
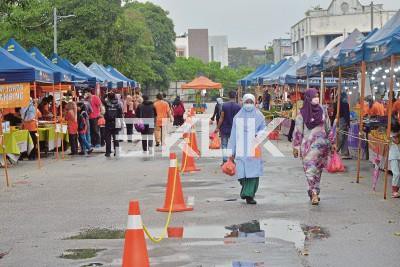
55 29
372 16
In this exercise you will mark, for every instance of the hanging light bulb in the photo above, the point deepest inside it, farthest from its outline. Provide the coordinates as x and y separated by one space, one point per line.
373 78
382 83
386 71
384 77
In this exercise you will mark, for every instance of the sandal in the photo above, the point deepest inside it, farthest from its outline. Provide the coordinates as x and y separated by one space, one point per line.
315 199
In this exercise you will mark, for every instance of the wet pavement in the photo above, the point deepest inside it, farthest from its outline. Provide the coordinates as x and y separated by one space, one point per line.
82 204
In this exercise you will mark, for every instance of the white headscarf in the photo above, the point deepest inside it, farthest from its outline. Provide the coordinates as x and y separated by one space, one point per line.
249 96
220 101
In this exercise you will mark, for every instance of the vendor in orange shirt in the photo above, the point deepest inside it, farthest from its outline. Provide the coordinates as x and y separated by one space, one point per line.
30 123
163 112
376 109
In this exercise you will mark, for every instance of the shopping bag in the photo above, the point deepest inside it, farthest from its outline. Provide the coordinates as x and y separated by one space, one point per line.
139 126
274 135
335 163
229 168
215 141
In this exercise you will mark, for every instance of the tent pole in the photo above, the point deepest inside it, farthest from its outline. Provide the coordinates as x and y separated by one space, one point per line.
297 98
360 135
322 89
55 120
61 124
37 124
338 93
3 146
389 126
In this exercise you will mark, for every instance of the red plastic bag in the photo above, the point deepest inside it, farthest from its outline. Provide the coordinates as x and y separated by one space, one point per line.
215 142
335 163
274 135
229 168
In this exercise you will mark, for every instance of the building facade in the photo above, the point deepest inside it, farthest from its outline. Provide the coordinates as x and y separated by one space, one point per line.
198 44
321 26
218 49
282 48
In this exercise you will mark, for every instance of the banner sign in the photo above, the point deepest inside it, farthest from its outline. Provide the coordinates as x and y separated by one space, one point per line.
14 95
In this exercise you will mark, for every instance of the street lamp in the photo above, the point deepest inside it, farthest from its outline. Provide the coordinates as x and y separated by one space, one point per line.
55 18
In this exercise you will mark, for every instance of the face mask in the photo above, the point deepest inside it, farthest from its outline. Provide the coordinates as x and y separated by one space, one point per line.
315 101
248 107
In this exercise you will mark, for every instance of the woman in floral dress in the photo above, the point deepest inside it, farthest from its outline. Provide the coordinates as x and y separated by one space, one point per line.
312 141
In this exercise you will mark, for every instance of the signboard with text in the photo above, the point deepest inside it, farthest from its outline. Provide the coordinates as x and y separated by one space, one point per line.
14 95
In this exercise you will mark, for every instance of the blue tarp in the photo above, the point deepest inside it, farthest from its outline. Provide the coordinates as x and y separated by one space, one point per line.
60 75
102 72
18 51
259 79
13 70
116 73
290 76
354 55
385 42
273 77
332 59
77 75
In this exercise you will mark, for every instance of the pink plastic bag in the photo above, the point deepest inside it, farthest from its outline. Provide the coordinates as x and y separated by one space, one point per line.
229 168
335 163
215 142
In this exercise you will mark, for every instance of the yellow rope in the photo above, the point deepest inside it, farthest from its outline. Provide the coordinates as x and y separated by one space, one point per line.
164 233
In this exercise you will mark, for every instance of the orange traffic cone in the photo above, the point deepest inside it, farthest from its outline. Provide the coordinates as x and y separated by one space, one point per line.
193 142
135 249
188 163
178 199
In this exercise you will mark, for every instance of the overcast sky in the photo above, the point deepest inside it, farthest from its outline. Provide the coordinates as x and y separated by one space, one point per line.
250 23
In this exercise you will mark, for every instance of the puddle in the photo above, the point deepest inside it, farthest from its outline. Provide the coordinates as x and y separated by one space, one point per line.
99 233
92 264
79 254
315 232
254 232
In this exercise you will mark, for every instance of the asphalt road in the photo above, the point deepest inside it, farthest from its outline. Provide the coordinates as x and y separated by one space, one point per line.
352 226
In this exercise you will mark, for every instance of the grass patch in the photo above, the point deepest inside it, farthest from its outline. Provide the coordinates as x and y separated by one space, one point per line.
99 233
79 254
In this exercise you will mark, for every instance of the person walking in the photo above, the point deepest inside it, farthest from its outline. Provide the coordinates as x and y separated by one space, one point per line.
248 127
129 114
178 110
71 117
147 111
344 125
266 100
113 117
394 159
163 112
217 110
95 104
295 110
229 110
83 127
312 141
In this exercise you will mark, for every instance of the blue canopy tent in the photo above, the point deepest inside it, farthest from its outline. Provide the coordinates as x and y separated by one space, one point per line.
63 75
99 70
259 79
354 55
13 69
273 78
18 51
83 68
246 81
77 75
385 42
305 69
116 73
332 59
290 77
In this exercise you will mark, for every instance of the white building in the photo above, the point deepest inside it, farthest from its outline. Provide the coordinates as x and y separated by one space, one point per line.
218 49
321 26
198 44
282 49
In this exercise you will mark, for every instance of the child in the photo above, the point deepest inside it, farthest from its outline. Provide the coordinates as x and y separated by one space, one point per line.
102 125
83 129
394 159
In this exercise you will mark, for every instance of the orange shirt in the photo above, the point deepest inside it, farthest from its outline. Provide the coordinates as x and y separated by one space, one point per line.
365 109
162 109
396 106
32 125
377 109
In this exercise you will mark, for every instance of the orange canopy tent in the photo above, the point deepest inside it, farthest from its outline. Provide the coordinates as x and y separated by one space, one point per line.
202 83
